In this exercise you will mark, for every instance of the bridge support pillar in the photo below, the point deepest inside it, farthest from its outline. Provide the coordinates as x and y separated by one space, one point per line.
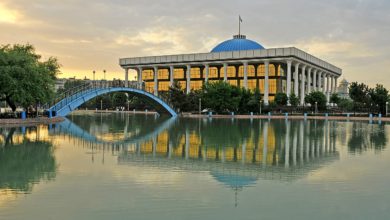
126 77
139 77
155 81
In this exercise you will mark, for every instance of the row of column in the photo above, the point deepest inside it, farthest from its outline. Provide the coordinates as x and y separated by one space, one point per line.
317 83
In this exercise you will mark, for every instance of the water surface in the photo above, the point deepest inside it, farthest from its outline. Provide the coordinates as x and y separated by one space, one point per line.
118 166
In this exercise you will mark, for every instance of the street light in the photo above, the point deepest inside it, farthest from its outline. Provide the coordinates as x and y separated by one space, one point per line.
200 106
316 110
101 104
94 77
387 106
104 71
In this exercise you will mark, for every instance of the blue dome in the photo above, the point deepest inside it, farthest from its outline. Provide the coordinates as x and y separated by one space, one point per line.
239 42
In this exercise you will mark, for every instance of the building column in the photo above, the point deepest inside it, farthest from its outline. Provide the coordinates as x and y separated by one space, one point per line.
302 96
245 75
315 80
335 84
126 77
171 77
207 68
309 80
331 84
188 79
139 77
288 92
296 91
225 67
320 81
155 80
266 82
327 88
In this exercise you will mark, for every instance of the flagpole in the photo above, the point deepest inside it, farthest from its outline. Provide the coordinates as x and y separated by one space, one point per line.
239 26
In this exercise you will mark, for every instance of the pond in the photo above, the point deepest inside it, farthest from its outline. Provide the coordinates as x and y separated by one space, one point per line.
124 166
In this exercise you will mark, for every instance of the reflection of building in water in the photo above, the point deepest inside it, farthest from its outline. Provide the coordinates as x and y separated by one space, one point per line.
236 157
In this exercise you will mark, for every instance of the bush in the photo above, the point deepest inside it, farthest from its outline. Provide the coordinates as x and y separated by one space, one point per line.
281 99
318 97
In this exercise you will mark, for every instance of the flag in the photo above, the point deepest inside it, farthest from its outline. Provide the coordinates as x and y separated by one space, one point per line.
239 17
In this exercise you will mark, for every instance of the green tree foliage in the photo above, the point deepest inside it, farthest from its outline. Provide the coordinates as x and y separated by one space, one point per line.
254 101
281 99
24 79
379 96
294 100
345 104
334 98
244 106
318 97
119 99
359 93
177 97
221 97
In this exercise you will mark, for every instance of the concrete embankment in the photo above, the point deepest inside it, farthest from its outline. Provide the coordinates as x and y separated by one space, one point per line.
291 117
29 121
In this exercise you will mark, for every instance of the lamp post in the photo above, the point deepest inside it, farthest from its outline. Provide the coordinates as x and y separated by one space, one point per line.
104 71
94 77
200 106
316 110
387 107
101 104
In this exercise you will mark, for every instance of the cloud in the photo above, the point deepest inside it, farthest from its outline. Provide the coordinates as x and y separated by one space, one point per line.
8 15
87 35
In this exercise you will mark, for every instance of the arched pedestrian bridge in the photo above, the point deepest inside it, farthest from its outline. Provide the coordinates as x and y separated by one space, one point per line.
71 100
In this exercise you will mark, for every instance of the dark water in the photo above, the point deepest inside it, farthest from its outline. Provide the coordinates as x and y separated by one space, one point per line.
117 166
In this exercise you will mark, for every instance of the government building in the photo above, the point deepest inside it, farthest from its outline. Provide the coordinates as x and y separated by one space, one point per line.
241 62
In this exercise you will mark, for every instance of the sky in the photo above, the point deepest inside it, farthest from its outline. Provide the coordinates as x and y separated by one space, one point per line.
92 35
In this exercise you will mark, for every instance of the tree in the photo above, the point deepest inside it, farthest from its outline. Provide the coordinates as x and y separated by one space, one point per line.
379 96
254 102
24 79
334 98
345 104
281 99
119 99
316 97
245 101
176 96
294 100
221 96
359 93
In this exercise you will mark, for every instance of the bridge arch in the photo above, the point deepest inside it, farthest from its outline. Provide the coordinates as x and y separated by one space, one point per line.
69 104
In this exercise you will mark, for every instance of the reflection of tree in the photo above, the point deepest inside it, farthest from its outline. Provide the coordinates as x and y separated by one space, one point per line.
118 122
24 164
365 137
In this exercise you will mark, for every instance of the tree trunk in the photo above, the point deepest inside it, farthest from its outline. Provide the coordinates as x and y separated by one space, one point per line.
10 103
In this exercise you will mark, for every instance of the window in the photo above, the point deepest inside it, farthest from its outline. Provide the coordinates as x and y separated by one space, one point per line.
213 72
178 73
149 86
252 84
232 82
196 85
163 74
163 86
195 73
147 75
231 71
